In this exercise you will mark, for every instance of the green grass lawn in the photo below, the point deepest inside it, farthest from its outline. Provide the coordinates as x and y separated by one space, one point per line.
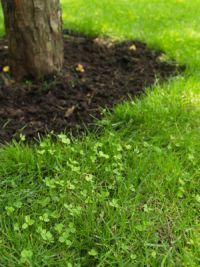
129 197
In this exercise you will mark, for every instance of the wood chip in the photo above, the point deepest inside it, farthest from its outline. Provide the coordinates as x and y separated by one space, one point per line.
69 111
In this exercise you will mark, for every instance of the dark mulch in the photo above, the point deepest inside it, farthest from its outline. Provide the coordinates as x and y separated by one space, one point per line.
112 72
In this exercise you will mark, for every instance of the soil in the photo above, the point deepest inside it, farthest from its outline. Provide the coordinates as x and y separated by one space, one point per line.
97 73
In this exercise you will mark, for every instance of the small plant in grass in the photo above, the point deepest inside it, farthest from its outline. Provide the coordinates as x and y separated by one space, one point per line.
26 256
9 210
28 222
45 234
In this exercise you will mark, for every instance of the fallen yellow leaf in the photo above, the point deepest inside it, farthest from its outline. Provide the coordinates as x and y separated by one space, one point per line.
6 69
132 47
80 68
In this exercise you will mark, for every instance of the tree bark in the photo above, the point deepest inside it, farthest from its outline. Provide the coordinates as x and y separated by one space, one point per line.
34 32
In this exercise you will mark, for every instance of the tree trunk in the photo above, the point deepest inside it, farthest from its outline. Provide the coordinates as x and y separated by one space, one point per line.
34 32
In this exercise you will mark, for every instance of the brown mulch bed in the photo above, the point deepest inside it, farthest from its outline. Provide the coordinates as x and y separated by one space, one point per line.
97 74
